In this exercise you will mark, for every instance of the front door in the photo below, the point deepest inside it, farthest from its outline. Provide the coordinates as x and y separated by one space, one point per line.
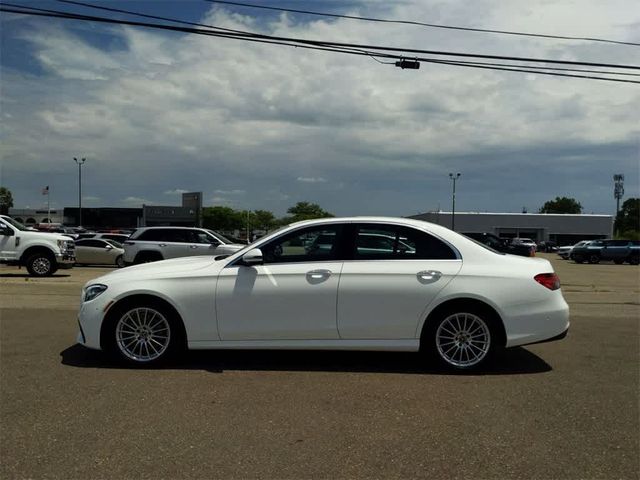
292 296
7 243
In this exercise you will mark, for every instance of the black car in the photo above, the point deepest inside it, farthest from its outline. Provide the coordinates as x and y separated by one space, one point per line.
618 251
502 244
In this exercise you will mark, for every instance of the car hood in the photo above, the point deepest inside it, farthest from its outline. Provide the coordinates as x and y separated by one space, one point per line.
175 267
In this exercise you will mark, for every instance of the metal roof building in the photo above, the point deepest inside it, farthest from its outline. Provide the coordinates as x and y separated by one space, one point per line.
560 228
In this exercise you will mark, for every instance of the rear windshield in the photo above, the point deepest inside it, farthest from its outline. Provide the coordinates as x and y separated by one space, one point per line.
484 246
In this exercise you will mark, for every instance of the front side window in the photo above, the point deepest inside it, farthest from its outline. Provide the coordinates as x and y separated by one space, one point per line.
394 242
313 244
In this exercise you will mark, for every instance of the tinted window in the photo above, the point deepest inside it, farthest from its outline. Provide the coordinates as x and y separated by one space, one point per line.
90 243
198 236
617 243
165 235
390 242
313 244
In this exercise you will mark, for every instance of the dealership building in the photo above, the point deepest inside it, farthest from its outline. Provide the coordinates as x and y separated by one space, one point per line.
559 228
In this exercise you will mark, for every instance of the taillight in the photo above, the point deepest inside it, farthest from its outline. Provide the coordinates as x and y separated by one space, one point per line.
549 280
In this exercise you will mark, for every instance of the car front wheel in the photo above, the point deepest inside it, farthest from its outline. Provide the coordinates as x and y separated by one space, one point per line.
462 340
41 265
145 334
594 258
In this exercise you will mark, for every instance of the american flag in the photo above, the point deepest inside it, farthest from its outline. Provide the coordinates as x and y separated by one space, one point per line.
45 190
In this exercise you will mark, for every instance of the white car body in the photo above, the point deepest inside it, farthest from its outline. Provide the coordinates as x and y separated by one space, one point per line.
337 304
565 251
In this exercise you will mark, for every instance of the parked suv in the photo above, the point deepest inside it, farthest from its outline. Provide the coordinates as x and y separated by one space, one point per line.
160 243
618 251
42 253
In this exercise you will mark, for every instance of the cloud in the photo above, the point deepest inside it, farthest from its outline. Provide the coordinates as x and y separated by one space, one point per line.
230 192
154 110
176 191
136 201
311 179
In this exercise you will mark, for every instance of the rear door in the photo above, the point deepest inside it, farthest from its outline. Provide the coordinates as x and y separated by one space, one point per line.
384 291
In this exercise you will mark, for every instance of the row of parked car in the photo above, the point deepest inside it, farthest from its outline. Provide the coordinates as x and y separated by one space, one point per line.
595 251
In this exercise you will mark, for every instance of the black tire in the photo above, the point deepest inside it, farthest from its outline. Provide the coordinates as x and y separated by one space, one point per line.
594 258
143 333
462 339
617 261
634 260
120 261
41 264
578 259
147 257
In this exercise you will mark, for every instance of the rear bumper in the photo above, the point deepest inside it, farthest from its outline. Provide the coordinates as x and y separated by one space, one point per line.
537 322
552 339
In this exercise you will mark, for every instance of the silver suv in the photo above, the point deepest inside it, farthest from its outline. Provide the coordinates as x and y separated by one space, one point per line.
160 243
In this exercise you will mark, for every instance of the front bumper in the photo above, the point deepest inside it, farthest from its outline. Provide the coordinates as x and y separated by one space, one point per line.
90 318
65 260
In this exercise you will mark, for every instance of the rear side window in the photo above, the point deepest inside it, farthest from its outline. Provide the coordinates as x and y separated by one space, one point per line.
176 235
391 242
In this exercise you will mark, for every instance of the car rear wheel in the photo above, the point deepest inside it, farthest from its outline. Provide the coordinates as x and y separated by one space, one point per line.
144 334
462 340
634 260
617 261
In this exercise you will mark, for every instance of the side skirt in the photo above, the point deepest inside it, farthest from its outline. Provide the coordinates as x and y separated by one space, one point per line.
410 345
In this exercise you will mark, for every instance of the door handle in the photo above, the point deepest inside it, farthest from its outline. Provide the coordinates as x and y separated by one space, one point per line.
319 274
162 244
429 276
193 246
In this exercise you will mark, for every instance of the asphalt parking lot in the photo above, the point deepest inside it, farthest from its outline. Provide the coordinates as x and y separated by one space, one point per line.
566 409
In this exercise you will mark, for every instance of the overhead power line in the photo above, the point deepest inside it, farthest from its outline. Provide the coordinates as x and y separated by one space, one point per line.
353 49
423 24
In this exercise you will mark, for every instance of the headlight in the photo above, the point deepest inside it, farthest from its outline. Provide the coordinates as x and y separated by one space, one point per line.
65 245
93 291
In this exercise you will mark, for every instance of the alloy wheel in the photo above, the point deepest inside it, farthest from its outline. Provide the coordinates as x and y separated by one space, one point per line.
41 265
143 334
463 340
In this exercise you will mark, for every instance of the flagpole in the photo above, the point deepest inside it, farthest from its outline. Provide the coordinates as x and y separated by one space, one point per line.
49 205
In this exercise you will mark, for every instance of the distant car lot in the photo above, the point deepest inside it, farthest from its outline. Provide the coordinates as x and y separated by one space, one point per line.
561 410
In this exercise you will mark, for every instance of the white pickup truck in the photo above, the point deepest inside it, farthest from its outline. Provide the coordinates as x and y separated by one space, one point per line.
42 253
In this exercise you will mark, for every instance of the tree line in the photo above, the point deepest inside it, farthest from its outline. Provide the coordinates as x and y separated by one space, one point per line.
229 219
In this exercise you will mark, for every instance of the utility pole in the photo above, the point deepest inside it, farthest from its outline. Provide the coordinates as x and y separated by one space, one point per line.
453 197
80 163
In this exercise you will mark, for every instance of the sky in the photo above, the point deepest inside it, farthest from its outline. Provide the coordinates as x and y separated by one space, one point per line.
254 126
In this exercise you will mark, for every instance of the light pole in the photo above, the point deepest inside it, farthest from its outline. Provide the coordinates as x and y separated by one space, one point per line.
80 163
453 208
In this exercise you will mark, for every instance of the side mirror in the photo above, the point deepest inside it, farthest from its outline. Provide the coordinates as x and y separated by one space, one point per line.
252 257
7 232
108 247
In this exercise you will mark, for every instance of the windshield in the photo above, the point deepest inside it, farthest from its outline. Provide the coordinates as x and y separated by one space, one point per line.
18 225
220 237
113 243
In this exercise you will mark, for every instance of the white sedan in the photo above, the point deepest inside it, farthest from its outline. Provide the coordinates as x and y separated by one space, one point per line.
431 289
